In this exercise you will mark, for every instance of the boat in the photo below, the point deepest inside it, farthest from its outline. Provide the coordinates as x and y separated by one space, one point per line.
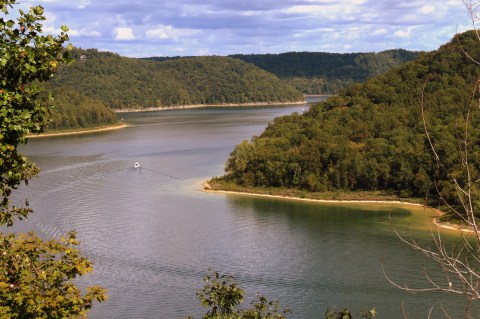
136 165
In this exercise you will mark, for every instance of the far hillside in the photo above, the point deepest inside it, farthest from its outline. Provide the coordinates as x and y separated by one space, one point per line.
323 72
129 83
327 73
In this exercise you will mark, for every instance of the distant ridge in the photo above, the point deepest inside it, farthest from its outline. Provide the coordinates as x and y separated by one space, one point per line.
129 83
327 73
323 72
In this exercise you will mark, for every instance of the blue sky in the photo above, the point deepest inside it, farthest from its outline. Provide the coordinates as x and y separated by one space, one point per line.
141 28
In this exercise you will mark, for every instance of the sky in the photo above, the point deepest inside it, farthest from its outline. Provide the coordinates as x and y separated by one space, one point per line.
145 28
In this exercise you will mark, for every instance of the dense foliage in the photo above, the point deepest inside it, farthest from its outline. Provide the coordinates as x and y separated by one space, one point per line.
25 56
74 110
327 73
36 276
371 136
123 83
222 296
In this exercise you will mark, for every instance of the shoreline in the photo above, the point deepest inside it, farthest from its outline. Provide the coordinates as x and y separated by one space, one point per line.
80 131
196 106
448 226
160 108
206 188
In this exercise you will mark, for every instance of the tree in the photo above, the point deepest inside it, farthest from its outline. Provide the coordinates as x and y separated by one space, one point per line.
36 276
459 263
222 297
26 55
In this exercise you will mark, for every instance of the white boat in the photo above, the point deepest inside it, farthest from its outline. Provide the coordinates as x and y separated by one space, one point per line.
136 165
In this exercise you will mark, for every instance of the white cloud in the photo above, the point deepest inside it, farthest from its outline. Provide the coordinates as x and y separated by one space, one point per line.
124 34
306 9
164 32
404 33
381 31
160 33
426 9
83 33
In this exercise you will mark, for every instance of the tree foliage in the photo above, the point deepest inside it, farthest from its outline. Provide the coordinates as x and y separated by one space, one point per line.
36 276
327 73
26 55
75 110
223 298
108 77
371 136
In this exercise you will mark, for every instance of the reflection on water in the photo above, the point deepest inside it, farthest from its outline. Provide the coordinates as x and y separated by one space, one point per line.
152 233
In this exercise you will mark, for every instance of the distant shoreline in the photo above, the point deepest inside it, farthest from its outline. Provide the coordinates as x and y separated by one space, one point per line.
445 225
195 106
150 109
80 131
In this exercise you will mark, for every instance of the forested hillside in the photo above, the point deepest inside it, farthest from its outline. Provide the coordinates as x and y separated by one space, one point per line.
74 110
122 83
327 73
104 79
371 137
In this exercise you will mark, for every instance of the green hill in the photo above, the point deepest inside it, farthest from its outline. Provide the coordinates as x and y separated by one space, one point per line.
74 110
123 83
327 73
371 137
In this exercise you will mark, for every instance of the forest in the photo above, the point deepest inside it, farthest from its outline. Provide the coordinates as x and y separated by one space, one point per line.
327 73
323 72
74 110
371 137
129 83
98 81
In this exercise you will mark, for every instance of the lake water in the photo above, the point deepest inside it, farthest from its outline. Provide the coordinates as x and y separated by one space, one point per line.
153 233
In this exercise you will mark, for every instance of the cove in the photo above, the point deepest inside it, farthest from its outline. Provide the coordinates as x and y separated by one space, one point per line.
152 232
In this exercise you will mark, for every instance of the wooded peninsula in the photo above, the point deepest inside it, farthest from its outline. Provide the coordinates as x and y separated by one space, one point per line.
372 136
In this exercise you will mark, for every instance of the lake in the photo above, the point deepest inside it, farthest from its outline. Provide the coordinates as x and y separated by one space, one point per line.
153 233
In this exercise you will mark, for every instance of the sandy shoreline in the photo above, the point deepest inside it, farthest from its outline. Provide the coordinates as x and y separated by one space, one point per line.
196 106
206 188
81 131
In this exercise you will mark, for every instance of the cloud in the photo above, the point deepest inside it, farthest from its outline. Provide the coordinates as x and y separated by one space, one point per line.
83 32
124 34
404 33
426 9
163 32
190 27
